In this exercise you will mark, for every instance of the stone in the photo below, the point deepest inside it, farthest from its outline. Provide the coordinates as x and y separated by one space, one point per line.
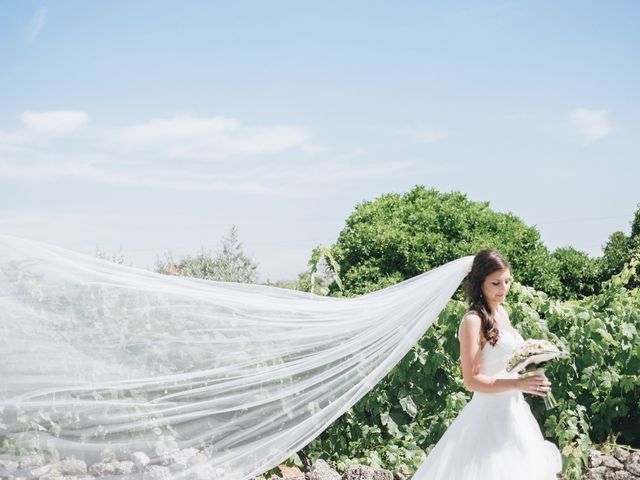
179 457
102 469
7 467
611 462
619 475
108 456
140 459
622 454
321 470
632 464
202 471
219 472
72 466
198 459
382 474
157 472
54 475
596 473
290 473
363 472
38 472
125 467
31 461
595 458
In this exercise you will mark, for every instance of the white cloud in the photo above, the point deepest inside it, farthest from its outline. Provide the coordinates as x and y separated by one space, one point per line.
209 138
168 179
591 124
55 122
423 133
176 153
36 23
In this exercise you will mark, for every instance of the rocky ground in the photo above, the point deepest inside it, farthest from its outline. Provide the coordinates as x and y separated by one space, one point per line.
620 464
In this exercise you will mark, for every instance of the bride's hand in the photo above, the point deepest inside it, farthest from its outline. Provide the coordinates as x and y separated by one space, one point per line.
535 385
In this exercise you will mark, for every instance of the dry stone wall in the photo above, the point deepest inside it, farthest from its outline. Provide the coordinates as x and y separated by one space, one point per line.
620 464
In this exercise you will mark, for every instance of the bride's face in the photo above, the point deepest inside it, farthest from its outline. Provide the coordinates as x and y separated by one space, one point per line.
496 286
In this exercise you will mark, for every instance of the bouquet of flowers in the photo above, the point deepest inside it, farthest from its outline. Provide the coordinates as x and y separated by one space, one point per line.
530 357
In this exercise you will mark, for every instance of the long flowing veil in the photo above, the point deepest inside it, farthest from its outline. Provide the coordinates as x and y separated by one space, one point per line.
96 356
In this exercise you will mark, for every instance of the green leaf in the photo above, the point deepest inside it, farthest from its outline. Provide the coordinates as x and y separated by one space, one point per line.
408 405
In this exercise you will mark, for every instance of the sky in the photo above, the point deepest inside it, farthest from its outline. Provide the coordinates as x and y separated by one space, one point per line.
143 126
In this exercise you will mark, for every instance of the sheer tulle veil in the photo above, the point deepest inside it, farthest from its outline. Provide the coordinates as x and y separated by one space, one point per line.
96 356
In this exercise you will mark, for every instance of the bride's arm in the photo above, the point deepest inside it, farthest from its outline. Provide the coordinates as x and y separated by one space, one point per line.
470 356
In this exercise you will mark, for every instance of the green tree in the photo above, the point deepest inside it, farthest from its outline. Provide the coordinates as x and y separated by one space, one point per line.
229 264
577 271
398 236
635 226
619 250
615 254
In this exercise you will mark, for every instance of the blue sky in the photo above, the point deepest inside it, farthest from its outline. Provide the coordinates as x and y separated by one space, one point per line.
145 126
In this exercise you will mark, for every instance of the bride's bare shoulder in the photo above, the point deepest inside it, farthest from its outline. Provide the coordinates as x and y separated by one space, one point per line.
472 314
469 331
470 320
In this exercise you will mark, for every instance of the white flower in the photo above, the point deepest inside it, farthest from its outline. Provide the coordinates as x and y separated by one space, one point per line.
532 352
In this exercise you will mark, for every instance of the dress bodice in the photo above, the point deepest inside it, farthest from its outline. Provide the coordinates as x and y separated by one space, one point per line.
495 358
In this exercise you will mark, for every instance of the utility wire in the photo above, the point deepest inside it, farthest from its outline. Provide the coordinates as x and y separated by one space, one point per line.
571 220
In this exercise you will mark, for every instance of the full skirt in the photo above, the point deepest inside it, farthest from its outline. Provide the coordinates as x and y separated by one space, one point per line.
495 437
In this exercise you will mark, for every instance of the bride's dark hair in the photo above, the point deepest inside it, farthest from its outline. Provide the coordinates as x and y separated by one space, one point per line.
485 262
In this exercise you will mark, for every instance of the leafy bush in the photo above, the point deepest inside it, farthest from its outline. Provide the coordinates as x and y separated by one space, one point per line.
600 386
229 264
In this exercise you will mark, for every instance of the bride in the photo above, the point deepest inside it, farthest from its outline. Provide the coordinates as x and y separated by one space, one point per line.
495 436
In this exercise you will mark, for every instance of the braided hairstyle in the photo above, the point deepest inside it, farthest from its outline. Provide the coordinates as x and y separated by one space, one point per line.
486 262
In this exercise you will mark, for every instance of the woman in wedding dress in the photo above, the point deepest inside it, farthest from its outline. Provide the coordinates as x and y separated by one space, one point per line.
495 436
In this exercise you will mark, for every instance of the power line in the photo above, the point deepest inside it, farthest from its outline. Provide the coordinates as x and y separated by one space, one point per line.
586 219
259 242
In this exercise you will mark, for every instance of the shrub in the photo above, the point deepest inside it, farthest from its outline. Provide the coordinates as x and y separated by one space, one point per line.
229 264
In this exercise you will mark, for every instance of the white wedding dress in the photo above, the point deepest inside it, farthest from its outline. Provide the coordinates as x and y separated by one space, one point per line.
495 436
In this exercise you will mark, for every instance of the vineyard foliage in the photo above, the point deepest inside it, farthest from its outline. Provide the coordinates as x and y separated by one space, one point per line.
597 387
